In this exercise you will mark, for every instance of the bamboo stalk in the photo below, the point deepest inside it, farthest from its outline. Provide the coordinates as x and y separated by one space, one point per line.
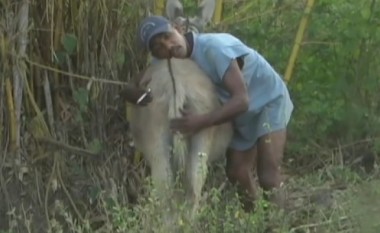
33 88
49 102
64 146
298 41
159 6
41 127
12 114
218 12
2 103
19 70
56 25
73 75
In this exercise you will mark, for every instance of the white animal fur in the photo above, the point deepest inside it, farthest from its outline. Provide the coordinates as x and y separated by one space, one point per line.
152 135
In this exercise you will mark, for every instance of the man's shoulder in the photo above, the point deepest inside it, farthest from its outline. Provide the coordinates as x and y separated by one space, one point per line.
218 39
216 35
216 44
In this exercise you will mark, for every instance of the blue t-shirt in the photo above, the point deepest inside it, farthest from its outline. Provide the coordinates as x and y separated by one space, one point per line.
214 52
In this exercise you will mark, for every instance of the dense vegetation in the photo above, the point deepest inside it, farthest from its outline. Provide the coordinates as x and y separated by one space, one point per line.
67 162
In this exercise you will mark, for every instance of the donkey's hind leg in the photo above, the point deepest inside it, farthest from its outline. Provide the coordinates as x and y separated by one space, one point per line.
163 182
158 157
196 166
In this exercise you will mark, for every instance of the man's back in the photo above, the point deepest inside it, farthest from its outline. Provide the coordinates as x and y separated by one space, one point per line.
214 51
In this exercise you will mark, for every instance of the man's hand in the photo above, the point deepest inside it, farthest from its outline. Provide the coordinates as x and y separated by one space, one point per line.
189 123
132 94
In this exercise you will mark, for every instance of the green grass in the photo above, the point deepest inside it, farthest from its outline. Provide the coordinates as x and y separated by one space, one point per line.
333 199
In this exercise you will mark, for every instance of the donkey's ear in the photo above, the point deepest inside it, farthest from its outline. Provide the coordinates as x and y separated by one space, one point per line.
174 9
207 10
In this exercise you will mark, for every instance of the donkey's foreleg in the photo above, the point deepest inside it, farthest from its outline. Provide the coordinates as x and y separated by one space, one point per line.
196 169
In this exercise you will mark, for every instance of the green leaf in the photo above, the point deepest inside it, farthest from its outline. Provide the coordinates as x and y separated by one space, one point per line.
120 58
60 57
110 203
78 117
94 193
377 146
365 12
95 146
69 42
81 97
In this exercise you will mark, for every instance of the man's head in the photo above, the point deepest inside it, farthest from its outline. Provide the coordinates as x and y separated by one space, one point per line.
162 38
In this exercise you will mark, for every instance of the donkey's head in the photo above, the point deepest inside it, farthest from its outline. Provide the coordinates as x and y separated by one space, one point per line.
174 11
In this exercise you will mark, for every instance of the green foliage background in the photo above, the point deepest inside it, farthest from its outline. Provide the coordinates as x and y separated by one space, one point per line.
336 82
336 122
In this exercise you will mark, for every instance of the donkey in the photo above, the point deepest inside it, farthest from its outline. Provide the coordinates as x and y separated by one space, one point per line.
175 84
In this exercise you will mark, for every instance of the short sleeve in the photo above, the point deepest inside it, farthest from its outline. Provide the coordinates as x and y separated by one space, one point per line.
221 57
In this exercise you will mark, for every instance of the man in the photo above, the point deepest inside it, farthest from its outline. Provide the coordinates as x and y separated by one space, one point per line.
254 98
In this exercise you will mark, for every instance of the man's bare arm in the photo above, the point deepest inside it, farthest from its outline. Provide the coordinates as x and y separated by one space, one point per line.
239 102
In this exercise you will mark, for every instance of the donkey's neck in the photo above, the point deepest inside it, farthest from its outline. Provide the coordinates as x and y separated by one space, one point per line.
190 43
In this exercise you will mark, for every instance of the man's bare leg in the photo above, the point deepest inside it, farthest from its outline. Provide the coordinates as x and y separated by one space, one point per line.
239 169
270 149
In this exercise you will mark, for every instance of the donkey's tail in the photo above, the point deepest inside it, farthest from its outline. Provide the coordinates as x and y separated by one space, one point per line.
179 144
